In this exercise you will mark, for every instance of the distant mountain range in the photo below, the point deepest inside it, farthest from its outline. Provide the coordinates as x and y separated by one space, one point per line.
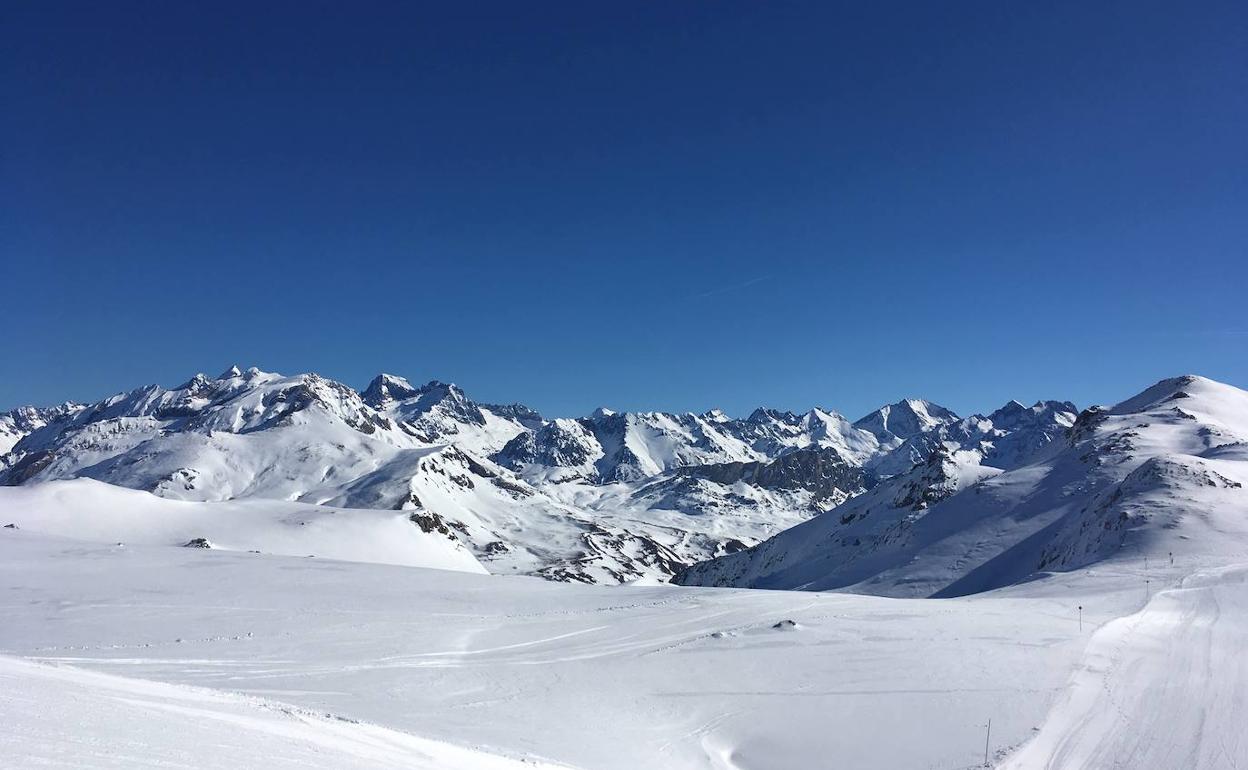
1162 473
637 496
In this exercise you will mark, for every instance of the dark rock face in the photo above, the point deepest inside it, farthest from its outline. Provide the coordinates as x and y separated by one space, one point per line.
386 388
1087 422
449 400
603 548
526 416
821 470
26 467
936 482
560 444
765 429
430 522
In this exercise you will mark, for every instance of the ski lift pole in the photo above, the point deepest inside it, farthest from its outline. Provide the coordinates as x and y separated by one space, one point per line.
987 737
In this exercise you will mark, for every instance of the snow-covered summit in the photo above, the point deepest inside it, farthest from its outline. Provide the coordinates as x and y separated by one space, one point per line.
18 423
614 496
385 389
1160 471
905 419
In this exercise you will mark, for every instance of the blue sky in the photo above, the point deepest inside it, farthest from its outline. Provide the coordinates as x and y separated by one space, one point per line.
643 205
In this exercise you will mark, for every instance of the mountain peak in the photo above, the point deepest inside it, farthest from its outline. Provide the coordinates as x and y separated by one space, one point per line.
715 415
1212 394
230 373
442 389
1013 406
385 388
200 380
905 419
764 414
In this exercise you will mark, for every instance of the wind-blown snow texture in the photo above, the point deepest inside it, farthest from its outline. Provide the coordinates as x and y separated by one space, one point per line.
609 498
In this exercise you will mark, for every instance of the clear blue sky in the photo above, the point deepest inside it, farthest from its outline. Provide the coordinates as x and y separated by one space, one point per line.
645 205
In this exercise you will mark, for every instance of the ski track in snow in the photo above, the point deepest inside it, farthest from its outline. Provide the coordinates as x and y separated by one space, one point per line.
587 677
126 723
1166 687
438 669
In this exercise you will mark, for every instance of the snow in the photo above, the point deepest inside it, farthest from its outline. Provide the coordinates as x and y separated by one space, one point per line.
1164 687
590 677
599 499
128 723
92 510
905 419
214 658
1156 474
1096 598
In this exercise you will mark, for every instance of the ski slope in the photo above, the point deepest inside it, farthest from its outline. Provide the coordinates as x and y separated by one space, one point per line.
1166 687
1091 604
522 669
65 717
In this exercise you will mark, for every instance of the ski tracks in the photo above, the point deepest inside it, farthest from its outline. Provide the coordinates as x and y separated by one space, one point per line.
1166 687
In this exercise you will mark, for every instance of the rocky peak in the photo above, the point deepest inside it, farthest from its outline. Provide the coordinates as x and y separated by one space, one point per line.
715 416
765 415
905 419
525 415
387 388
197 384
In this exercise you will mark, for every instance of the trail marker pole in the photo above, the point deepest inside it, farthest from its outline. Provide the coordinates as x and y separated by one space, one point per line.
1081 618
987 737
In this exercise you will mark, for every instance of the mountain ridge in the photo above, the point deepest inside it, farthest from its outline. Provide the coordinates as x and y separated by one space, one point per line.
1157 469
611 497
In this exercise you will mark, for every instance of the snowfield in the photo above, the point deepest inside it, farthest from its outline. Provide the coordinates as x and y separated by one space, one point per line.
126 723
1082 583
1164 687
91 510
203 658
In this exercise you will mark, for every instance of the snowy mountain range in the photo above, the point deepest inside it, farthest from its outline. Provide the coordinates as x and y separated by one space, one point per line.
618 497
1159 473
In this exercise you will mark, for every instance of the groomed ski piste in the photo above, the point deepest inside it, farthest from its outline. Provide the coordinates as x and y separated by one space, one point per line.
143 656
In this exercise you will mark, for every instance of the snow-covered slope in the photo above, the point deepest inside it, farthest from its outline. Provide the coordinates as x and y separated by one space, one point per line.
1113 547
90 510
905 419
1160 473
583 676
441 412
124 723
18 423
613 497
1163 687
